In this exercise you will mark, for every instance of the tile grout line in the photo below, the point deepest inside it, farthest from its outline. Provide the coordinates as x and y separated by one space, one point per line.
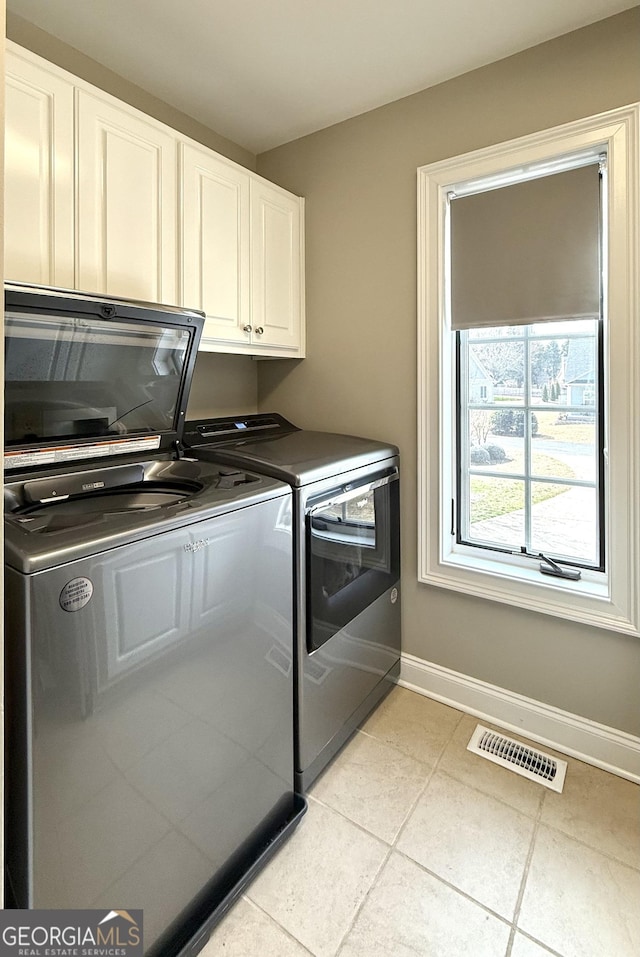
364 900
426 783
589 847
392 846
538 943
459 779
349 820
525 876
383 863
386 744
392 747
457 890
277 923
456 777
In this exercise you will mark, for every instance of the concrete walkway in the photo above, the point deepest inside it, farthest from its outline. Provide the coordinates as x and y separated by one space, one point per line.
562 525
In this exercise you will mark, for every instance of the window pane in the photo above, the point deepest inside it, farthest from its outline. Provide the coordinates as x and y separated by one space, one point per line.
507 423
496 332
564 448
499 453
563 521
496 510
499 368
545 371
568 327
580 373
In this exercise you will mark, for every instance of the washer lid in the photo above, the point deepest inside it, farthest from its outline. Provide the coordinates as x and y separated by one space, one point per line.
93 376
302 457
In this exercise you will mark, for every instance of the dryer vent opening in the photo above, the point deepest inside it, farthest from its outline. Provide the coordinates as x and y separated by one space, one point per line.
518 757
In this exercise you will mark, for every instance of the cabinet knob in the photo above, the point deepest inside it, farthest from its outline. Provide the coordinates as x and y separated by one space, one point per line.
247 328
259 331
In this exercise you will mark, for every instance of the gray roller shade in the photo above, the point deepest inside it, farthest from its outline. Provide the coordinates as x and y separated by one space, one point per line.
527 252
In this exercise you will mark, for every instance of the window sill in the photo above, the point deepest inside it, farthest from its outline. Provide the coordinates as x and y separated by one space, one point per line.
512 582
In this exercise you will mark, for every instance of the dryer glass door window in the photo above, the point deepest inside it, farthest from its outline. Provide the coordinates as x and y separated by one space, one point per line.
353 555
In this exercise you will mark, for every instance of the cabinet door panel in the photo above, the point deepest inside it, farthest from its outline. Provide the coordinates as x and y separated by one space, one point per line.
38 175
215 243
126 203
276 267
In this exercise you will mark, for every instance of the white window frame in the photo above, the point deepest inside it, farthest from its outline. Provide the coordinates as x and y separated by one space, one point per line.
609 600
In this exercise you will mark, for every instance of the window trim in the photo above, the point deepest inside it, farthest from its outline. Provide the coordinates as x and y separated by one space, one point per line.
610 601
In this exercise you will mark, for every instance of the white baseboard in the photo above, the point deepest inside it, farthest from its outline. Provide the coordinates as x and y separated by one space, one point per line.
593 743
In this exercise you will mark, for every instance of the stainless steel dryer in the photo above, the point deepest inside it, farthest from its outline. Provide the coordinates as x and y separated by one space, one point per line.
149 752
346 532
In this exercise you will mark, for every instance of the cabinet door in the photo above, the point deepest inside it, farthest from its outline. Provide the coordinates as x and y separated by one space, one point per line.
215 245
38 174
127 201
276 270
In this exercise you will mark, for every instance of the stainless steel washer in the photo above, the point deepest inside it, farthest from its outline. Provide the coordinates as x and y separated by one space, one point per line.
346 532
149 651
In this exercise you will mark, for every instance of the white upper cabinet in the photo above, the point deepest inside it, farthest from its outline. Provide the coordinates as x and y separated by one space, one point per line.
276 268
127 202
241 256
103 198
38 210
214 257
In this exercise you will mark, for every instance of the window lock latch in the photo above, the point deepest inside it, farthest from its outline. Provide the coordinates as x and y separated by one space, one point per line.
549 567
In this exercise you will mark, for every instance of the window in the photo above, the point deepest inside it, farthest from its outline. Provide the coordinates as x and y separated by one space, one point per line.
531 460
528 426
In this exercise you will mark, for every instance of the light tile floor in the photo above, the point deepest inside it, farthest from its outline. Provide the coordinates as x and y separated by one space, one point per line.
414 846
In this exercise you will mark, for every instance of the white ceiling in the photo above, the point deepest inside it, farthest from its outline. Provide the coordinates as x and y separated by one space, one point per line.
264 72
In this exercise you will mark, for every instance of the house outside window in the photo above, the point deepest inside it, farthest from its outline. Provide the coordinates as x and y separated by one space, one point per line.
528 429
579 373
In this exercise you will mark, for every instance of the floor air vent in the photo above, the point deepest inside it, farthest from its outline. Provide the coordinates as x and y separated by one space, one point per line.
518 757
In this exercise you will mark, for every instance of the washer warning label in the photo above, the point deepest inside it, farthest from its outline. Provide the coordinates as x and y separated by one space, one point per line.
75 594
27 458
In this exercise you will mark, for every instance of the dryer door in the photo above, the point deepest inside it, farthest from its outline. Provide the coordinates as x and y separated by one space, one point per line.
353 553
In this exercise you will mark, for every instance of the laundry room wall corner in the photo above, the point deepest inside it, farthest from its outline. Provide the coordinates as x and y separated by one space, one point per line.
223 385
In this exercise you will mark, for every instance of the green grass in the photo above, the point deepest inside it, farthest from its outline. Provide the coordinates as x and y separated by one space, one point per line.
549 426
491 497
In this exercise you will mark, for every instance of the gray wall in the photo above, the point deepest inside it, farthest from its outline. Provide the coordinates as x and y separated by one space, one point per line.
223 385
359 180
